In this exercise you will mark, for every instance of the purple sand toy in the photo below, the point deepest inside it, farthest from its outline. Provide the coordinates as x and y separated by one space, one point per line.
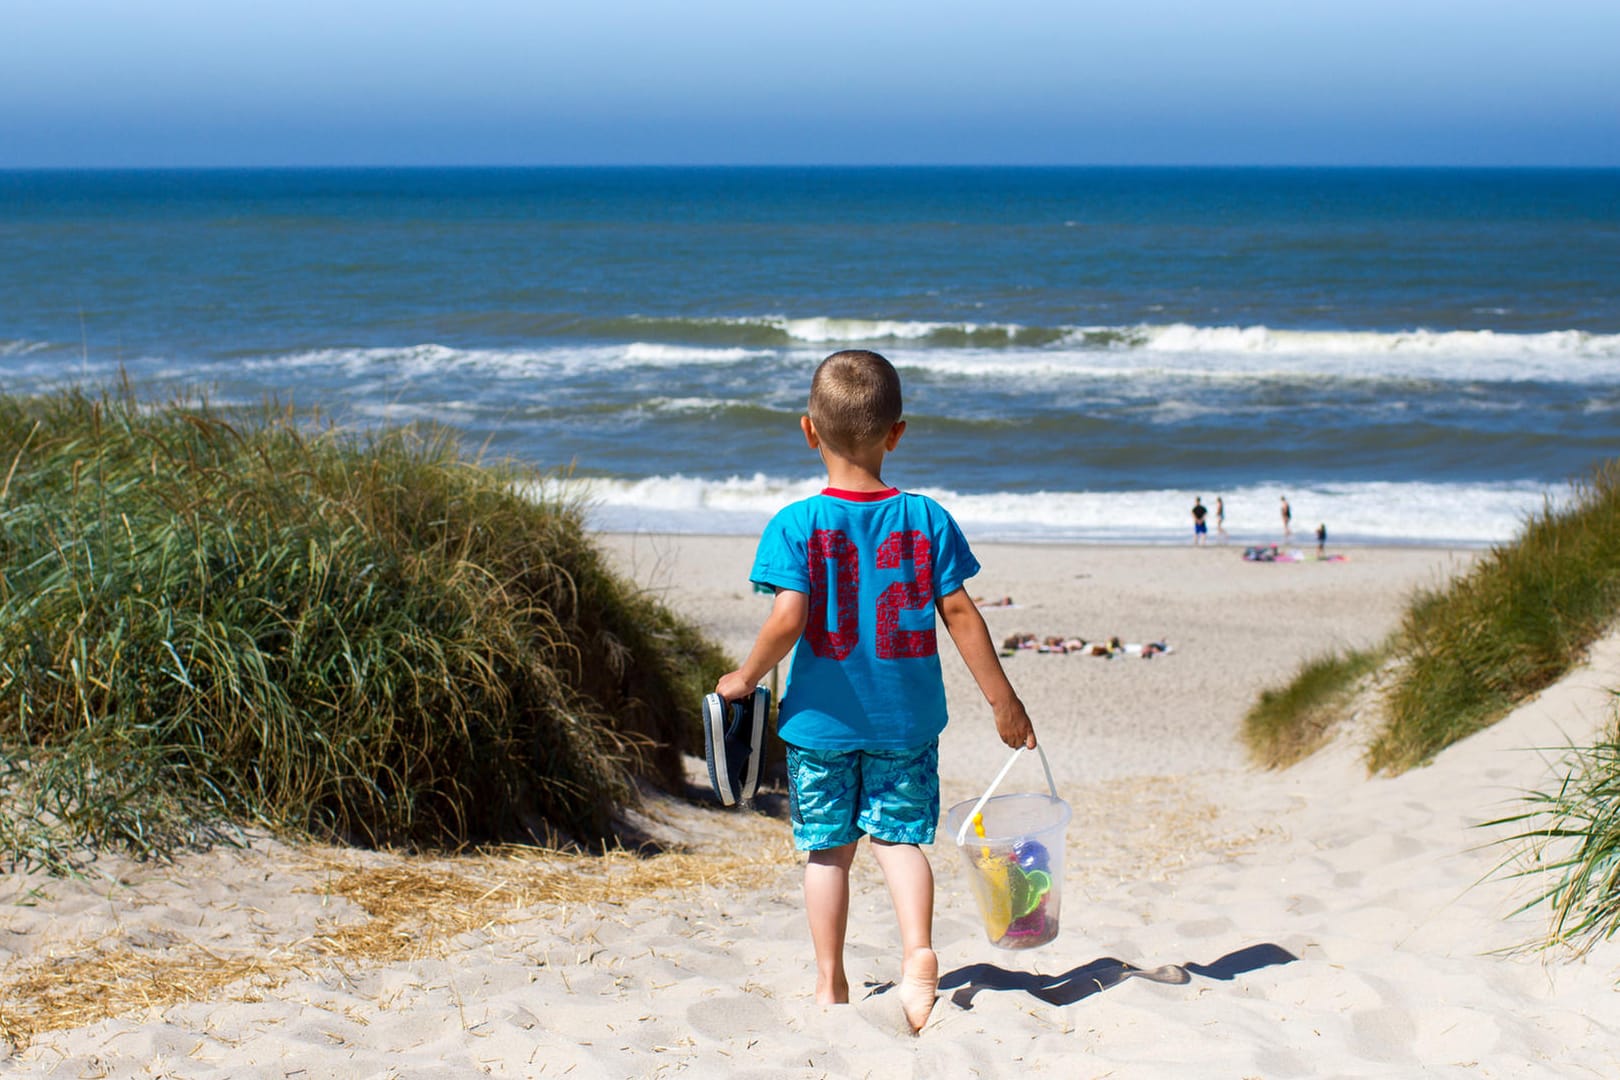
1032 930
1030 925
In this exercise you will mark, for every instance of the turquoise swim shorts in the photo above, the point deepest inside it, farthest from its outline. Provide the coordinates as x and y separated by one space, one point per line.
837 795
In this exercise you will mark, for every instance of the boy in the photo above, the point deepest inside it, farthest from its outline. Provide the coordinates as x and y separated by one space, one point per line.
858 572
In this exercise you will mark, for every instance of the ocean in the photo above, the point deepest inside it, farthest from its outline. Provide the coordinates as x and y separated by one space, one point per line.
1410 356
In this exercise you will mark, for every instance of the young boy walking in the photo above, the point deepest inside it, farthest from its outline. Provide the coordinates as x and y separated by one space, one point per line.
858 572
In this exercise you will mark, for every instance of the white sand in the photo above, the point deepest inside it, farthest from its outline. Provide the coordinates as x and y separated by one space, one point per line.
1307 923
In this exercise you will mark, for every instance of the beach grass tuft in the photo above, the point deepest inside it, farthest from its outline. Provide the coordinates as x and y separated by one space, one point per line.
1469 650
1468 653
213 618
1288 724
1516 623
1570 837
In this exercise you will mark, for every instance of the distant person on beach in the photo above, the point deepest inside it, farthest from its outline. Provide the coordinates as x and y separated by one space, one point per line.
1200 530
1288 519
865 699
1321 540
1220 518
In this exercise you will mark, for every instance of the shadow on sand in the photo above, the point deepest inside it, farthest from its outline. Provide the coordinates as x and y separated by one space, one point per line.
1081 982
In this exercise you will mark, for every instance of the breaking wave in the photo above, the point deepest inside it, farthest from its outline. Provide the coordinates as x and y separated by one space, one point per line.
1469 515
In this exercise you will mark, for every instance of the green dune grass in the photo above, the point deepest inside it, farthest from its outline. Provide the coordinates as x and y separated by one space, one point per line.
1471 651
1473 648
212 618
1567 841
1520 619
1288 724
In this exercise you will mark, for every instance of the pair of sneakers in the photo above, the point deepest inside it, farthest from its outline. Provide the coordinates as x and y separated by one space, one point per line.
733 741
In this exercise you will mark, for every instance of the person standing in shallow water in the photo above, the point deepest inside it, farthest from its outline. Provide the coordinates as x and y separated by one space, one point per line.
1220 519
1200 529
1288 519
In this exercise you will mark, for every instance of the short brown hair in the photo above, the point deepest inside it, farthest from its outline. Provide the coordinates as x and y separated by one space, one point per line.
854 400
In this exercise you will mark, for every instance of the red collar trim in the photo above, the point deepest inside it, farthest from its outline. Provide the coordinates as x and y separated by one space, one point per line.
861 496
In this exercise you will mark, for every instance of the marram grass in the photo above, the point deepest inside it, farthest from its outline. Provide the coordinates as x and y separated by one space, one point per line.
211 618
1515 624
1470 650
1568 844
1473 649
1286 725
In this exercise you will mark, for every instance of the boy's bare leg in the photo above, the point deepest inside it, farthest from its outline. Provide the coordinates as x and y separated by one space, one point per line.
826 902
911 887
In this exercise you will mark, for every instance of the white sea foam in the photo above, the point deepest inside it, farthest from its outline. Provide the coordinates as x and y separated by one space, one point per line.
1157 353
1361 513
1557 355
641 352
431 359
448 413
702 406
21 347
1259 353
823 329
1182 338
1487 344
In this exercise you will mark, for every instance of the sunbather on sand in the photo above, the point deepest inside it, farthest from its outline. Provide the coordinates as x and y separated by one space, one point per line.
1055 643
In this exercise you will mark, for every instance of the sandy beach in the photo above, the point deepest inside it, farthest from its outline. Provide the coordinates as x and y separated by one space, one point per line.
1218 921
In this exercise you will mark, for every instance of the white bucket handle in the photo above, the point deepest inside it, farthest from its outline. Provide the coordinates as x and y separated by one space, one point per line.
961 834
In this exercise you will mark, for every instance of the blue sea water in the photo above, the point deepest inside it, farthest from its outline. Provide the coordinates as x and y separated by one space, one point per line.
1408 355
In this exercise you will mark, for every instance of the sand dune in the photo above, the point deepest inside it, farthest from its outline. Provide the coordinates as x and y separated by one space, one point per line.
1217 921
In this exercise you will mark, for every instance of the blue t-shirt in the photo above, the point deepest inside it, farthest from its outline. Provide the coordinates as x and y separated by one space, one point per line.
865 674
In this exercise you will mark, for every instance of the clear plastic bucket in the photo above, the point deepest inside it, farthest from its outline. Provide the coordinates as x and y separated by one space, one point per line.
1014 862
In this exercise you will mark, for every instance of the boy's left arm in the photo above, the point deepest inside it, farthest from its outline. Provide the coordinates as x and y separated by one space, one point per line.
789 612
972 637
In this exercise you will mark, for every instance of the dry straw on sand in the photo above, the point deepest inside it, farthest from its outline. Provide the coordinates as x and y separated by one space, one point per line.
414 904
72 991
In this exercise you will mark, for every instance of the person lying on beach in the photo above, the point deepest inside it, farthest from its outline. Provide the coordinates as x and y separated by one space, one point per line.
1005 601
865 699
1014 642
1081 647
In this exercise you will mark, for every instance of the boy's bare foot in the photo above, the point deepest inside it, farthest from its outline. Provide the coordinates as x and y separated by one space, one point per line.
833 991
919 985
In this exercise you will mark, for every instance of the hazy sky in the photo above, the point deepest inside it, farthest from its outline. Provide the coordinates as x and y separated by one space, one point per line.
298 82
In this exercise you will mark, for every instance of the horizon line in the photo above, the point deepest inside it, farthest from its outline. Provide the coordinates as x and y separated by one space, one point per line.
420 166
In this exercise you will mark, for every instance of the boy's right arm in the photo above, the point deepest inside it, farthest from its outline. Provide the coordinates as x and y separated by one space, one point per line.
783 626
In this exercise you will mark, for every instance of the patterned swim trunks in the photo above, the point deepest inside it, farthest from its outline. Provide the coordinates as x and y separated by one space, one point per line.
836 795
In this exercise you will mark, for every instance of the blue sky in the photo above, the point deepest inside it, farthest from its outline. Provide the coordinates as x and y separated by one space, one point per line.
297 82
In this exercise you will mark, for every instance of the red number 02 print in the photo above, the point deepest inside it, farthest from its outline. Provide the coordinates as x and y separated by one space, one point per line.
833 556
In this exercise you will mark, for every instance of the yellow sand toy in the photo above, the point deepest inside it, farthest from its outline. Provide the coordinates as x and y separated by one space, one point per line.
995 897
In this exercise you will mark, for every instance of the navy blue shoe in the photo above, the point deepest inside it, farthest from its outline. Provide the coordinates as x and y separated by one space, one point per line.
733 733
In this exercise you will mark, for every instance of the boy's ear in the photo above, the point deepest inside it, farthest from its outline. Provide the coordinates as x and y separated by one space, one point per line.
895 432
811 439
